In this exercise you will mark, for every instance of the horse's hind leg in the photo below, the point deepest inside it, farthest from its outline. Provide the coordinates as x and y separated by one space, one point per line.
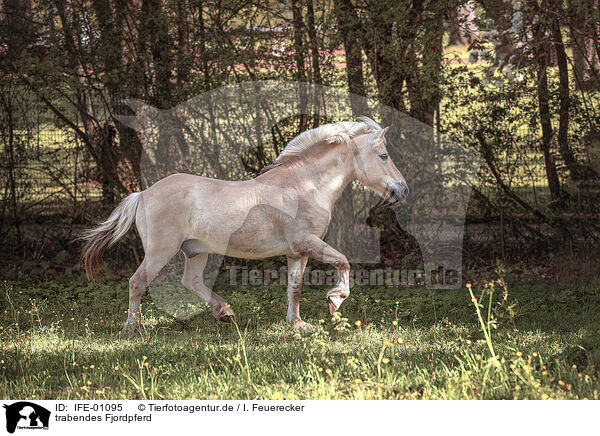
153 262
193 279
137 287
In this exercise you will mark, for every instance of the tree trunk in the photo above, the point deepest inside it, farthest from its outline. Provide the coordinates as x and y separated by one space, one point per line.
542 54
565 99
389 43
160 48
299 55
183 54
110 47
203 50
18 24
423 83
349 28
584 43
313 41
314 53
11 162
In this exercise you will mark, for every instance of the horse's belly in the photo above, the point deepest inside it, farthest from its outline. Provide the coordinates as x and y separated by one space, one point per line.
258 247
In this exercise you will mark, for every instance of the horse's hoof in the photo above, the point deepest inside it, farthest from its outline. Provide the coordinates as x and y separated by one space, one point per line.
301 325
331 306
335 298
225 314
333 303
227 318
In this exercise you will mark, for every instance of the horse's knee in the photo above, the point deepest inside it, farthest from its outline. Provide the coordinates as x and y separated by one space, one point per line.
342 264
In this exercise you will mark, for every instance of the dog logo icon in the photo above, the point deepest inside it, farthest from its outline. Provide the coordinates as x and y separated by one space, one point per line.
26 415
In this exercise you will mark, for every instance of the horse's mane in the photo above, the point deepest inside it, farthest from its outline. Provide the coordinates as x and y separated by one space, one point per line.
329 133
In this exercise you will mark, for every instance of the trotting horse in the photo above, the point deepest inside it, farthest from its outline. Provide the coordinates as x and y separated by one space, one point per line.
284 211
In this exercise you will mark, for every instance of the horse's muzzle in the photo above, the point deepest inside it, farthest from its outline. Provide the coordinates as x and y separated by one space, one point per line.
397 191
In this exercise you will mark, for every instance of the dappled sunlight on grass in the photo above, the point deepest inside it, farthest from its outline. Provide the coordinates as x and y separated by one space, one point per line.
385 343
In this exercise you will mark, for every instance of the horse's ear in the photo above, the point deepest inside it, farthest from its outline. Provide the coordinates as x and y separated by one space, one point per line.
376 143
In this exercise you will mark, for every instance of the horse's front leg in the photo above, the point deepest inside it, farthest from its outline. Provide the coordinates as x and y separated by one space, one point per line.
295 275
312 246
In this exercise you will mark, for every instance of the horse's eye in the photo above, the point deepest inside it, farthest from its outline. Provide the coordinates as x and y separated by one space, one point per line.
384 156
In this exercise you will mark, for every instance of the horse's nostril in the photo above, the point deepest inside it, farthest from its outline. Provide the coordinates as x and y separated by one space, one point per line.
397 191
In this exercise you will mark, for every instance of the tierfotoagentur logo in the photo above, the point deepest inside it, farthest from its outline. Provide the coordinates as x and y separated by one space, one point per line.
26 415
313 198
391 277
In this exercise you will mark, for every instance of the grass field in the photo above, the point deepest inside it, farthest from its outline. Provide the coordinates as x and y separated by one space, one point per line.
62 340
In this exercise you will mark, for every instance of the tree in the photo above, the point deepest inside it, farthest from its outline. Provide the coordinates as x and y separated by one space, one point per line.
462 28
349 26
529 35
583 20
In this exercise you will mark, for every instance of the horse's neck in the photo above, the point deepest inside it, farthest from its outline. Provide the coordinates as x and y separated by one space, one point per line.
328 172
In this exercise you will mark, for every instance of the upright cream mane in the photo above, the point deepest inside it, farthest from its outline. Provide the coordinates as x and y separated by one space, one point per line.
342 131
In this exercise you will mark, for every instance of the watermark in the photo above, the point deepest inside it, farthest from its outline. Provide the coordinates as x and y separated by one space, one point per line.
25 415
390 277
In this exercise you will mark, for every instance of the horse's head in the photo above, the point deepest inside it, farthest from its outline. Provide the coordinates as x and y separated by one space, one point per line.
374 167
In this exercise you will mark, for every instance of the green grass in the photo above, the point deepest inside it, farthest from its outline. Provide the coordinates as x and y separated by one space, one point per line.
62 340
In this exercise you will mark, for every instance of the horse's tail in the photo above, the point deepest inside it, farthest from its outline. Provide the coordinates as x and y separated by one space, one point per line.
107 233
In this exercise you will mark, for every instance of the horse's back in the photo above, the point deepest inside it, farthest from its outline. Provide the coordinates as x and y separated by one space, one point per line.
186 186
